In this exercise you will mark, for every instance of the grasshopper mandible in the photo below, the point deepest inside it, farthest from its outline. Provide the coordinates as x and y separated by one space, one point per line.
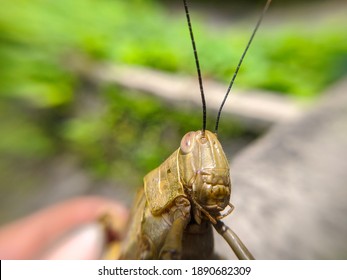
181 198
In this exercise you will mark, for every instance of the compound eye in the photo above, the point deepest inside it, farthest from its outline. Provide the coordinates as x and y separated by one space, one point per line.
187 142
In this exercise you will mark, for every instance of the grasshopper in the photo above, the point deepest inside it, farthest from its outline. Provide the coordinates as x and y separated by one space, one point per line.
173 213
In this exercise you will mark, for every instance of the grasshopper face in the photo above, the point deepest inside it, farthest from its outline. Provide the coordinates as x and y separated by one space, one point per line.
204 172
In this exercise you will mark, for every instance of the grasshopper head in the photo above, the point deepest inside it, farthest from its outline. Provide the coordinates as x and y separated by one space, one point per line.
204 172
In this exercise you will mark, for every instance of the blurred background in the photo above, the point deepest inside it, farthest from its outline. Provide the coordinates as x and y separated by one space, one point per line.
66 131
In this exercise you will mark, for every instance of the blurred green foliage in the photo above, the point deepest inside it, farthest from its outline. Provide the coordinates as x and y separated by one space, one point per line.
129 132
119 141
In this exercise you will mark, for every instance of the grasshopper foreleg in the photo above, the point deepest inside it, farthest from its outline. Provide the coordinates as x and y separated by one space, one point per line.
180 215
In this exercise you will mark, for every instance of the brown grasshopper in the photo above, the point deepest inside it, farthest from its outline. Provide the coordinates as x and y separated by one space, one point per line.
173 213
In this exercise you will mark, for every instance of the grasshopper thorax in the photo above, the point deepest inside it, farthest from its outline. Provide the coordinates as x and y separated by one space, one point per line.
204 173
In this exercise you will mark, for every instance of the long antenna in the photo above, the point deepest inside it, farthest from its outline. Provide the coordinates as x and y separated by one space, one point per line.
197 67
240 62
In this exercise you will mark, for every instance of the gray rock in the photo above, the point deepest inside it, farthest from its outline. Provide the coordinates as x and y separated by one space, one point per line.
290 187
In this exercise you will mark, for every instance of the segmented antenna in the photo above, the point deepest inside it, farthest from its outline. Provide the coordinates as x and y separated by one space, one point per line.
240 62
197 67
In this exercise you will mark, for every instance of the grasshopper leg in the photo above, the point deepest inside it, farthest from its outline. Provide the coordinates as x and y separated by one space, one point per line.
180 214
234 241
